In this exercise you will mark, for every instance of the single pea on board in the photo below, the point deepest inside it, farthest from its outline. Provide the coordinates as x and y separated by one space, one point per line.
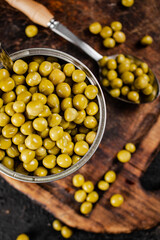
88 186
80 196
110 176
92 197
23 236
127 3
130 147
95 28
123 156
78 180
86 208
116 200
31 31
146 40
103 185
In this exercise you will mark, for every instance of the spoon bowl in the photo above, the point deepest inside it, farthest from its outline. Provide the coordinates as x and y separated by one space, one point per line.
64 32
144 99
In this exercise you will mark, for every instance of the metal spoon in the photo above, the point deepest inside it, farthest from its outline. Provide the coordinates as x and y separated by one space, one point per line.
41 15
61 30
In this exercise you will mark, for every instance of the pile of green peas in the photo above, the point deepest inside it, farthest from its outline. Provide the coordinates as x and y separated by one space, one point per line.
111 34
87 196
66 232
48 116
127 78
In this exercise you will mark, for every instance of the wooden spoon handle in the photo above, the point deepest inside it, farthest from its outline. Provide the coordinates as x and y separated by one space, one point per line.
35 11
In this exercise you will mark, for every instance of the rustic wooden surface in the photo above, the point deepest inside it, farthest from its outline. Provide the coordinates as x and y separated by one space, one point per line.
139 124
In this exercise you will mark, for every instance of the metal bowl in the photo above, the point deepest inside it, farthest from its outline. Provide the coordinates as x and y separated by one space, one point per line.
102 121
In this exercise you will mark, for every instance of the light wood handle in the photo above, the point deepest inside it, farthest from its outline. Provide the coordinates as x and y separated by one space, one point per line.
35 11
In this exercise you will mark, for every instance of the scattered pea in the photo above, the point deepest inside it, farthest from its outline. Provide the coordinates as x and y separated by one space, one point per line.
110 176
78 180
130 147
66 232
88 186
86 208
80 196
57 225
109 43
106 32
92 197
146 40
127 3
119 37
95 28
31 31
124 156
116 200
116 26
103 185
22 236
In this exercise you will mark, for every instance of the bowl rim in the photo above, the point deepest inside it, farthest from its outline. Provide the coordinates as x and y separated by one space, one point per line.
102 120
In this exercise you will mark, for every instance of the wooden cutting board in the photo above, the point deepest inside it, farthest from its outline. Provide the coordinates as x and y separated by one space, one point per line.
141 209
138 124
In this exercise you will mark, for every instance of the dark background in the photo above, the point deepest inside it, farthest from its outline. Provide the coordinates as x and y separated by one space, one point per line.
18 213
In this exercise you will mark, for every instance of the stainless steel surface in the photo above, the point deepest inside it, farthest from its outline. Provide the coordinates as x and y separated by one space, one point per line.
102 121
64 32
5 59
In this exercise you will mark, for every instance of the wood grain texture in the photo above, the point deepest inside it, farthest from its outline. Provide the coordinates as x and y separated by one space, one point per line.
139 124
